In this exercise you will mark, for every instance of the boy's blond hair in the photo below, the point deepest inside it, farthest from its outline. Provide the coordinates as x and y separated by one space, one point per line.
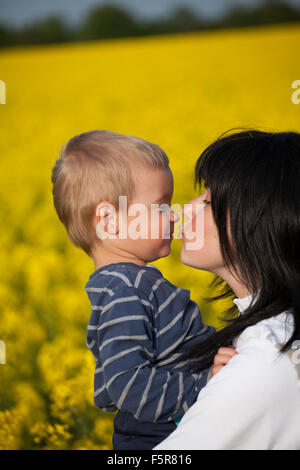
97 166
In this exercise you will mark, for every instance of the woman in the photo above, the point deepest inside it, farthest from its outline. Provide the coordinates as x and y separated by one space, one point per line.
251 241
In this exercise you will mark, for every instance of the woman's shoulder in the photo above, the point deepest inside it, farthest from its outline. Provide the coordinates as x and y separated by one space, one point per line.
259 348
260 368
274 332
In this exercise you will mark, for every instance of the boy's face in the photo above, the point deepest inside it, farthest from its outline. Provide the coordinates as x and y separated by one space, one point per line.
149 227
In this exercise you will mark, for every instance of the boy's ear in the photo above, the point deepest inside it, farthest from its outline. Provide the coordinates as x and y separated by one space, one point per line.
106 220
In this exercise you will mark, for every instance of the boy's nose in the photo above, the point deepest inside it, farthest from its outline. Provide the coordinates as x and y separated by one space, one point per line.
180 231
174 216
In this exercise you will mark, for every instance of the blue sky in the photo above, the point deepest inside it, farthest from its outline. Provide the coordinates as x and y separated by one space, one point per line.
20 12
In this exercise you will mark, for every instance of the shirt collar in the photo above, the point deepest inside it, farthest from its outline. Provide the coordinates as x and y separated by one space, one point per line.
244 302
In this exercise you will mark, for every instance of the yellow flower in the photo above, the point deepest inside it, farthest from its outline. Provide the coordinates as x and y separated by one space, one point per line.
180 92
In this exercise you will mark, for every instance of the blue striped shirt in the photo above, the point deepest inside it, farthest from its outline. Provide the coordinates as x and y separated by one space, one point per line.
139 326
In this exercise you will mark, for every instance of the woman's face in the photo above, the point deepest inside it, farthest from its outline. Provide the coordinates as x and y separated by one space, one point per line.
200 240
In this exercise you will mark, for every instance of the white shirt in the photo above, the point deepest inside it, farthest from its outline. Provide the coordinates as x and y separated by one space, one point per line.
251 403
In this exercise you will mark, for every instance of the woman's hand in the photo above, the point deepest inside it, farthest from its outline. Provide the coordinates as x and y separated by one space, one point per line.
222 357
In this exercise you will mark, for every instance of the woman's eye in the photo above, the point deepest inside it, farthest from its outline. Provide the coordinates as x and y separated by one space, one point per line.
206 201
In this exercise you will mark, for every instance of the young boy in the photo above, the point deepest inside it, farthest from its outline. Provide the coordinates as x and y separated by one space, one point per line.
140 323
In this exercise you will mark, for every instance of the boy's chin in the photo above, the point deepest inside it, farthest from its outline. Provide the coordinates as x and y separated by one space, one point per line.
164 251
159 252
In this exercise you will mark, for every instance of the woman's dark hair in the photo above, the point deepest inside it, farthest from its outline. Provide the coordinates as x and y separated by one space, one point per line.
254 180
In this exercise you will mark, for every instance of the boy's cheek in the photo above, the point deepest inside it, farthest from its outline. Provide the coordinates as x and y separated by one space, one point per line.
155 229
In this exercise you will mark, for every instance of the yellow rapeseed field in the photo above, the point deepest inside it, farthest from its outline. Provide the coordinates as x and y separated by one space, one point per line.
178 91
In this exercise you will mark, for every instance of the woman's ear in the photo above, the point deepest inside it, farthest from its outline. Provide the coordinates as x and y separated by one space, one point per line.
107 224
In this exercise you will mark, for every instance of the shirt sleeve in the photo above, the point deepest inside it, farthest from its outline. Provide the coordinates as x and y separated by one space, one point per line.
134 380
242 407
